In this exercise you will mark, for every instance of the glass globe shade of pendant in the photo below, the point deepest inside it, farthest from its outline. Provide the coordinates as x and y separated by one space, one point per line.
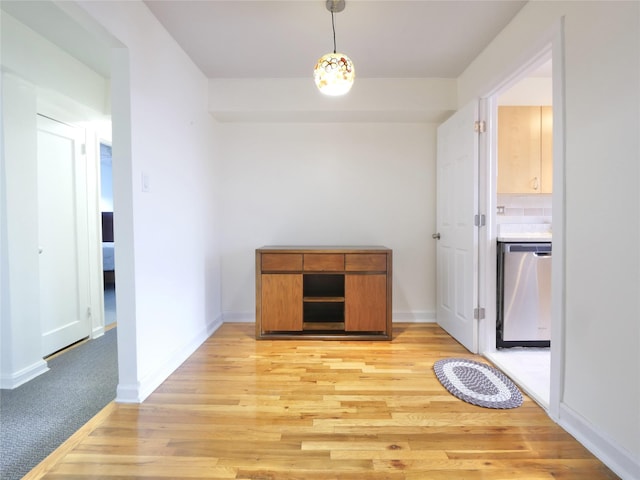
334 74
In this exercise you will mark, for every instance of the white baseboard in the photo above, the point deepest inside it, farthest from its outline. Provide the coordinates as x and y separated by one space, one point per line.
15 379
400 317
138 392
128 393
97 332
600 444
238 317
414 317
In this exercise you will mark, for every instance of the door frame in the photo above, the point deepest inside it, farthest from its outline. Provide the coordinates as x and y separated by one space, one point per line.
550 46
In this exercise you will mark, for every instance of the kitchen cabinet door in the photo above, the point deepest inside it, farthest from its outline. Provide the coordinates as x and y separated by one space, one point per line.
519 149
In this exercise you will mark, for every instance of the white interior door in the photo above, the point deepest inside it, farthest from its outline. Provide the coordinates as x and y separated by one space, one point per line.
457 206
63 236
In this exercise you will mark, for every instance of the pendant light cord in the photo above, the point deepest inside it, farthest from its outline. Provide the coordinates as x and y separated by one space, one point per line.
333 25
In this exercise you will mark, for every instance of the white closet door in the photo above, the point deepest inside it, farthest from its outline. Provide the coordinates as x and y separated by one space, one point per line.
63 236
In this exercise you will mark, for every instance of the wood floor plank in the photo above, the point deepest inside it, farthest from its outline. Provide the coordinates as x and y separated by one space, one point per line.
309 410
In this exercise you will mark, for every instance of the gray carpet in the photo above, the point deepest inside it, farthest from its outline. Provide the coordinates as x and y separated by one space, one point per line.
39 416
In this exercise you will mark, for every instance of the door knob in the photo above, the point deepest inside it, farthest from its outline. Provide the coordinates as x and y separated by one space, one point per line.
436 236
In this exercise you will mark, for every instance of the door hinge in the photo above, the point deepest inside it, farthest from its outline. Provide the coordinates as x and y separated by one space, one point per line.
480 220
479 126
478 313
83 149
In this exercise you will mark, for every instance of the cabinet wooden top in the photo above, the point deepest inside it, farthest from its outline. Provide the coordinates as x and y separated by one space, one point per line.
323 249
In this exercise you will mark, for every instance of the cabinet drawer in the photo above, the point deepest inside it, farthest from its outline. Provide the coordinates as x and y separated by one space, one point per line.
281 262
323 262
366 262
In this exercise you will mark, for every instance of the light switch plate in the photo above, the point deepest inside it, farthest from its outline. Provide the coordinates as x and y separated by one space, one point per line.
146 182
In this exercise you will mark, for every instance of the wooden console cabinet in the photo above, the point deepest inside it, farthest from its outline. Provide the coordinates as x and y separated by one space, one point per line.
323 292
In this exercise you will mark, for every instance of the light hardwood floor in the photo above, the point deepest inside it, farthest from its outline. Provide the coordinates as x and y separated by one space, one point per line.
303 409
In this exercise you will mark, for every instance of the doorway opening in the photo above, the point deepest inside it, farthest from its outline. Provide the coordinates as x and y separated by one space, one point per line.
108 246
525 208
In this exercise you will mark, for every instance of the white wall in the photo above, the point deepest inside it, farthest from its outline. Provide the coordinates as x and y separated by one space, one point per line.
20 334
330 184
167 265
601 231
303 168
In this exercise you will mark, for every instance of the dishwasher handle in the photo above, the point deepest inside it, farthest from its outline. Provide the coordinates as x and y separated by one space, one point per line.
537 248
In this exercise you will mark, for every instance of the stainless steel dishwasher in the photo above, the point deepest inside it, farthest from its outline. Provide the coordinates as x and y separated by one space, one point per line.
524 295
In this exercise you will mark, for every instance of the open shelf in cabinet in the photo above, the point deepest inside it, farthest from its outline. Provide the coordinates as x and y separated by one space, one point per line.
322 285
323 302
323 312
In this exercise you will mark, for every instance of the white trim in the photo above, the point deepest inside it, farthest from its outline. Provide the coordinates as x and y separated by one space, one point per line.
238 317
96 276
414 317
97 331
558 265
138 392
621 461
9 382
398 317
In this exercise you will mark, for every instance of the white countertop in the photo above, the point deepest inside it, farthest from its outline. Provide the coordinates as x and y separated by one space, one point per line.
524 232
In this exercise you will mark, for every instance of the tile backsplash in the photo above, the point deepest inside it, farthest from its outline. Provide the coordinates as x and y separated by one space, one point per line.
524 208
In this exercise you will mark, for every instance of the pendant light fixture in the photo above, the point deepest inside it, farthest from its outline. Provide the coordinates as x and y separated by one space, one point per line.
334 72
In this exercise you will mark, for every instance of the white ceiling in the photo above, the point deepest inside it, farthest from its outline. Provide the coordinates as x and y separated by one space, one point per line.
275 39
